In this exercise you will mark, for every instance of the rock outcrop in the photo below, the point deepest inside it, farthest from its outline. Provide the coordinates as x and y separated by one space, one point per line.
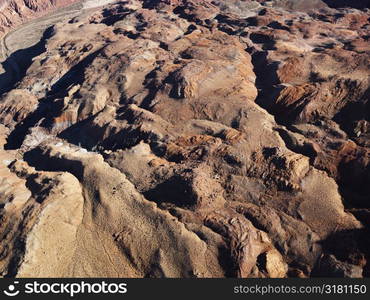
177 138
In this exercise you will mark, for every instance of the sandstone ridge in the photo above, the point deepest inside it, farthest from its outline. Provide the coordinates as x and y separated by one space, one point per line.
196 138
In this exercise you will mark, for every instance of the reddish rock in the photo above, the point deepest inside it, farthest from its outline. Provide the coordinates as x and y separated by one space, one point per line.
191 139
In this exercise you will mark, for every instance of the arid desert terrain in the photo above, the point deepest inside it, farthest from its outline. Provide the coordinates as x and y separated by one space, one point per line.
185 138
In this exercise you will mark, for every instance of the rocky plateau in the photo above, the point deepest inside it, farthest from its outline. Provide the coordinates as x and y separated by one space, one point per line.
187 138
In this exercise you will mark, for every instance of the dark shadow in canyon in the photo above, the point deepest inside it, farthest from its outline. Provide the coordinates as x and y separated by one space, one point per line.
48 108
75 75
349 246
348 3
17 63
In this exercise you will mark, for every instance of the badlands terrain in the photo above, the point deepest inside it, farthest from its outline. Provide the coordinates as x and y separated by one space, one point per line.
185 138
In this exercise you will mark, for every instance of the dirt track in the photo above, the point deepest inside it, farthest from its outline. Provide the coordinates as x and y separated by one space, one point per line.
31 33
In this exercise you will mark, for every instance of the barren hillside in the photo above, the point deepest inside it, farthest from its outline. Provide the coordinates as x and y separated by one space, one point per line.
189 138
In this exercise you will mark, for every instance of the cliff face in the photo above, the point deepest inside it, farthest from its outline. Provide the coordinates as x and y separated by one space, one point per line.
15 12
190 138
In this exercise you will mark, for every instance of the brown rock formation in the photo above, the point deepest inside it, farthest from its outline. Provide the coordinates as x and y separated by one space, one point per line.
191 139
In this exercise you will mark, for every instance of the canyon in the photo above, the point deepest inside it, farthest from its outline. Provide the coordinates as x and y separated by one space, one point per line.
15 12
185 139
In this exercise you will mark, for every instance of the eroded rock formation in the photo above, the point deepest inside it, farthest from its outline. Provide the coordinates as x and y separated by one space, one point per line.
177 138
